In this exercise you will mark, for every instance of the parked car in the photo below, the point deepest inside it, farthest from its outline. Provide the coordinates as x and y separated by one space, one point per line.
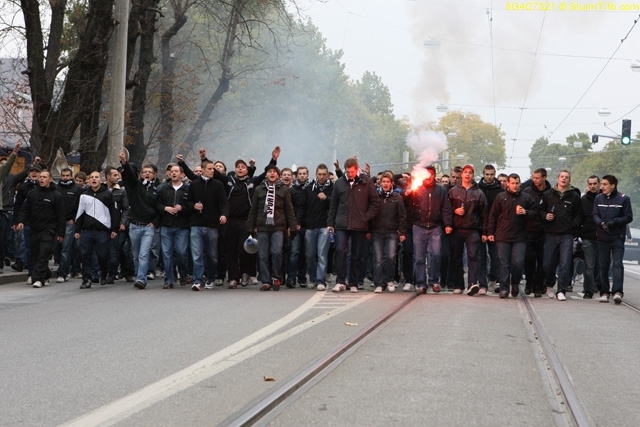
632 247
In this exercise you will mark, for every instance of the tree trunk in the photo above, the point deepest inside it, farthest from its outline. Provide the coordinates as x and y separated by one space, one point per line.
135 140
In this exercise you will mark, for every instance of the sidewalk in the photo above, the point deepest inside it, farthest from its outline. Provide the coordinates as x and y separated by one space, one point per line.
10 276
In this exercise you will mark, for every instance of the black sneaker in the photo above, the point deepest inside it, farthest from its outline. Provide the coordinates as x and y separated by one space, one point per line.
361 286
139 285
18 266
111 280
85 284
587 295
168 286
103 281
504 294
473 289
515 290
290 285
128 278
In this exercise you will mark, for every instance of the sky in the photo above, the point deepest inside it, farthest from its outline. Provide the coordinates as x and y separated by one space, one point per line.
532 73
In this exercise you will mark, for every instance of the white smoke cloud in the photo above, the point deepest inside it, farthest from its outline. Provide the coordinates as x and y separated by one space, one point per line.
427 145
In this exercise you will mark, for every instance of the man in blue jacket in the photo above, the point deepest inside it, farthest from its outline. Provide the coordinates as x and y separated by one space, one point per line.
611 212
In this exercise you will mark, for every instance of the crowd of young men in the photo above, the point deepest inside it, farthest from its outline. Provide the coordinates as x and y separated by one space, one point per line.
193 225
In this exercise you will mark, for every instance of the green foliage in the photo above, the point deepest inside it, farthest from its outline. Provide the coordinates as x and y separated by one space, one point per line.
479 142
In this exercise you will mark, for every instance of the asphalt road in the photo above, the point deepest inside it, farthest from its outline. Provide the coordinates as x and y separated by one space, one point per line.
113 355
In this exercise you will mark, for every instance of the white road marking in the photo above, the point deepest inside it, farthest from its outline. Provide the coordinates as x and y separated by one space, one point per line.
123 408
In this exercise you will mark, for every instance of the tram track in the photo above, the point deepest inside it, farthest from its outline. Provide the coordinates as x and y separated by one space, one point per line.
271 405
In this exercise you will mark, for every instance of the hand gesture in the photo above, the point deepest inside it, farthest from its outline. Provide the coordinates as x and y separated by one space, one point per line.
203 153
17 147
180 158
275 153
122 156
337 164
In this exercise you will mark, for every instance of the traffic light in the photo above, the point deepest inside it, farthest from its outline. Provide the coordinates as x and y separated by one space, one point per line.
594 139
626 132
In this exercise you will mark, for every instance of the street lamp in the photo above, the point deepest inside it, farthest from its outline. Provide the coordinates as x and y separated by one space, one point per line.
604 112
435 43
442 108
635 66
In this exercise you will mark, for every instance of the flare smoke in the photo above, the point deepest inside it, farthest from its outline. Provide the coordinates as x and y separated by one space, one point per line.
427 145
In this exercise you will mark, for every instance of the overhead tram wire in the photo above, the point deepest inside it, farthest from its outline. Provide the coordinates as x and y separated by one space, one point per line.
526 96
493 76
635 21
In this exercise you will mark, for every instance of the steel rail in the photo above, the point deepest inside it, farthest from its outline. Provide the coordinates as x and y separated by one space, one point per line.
321 366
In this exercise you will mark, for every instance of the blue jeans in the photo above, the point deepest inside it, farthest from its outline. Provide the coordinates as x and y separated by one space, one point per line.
317 251
174 240
270 243
297 248
590 248
385 246
611 251
67 250
141 237
471 240
342 253
204 239
427 242
5 225
510 263
90 241
24 249
558 251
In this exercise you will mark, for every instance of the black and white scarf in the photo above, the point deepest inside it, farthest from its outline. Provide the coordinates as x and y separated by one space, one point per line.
384 194
270 203
321 188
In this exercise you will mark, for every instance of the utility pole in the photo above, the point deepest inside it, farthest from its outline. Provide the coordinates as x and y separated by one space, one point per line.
118 82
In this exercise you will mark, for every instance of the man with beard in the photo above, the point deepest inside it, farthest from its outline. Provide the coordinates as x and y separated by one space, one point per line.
491 187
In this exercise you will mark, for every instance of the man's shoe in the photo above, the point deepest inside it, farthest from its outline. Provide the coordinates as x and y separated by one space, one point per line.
457 291
209 285
168 286
220 282
233 284
151 275
29 281
482 291
290 285
354 289
321 287
537 295
265 287
276 284
504 294
569 288
435 287
360 286
60 279
244 280
561 296
339 287
391 287
406 287
550 293
617 298
85 284
527 290
110 280
18 266
492 285
378 290
196 287
253 280
183 280
128 278
515 290
587 295
139 285
604 298
103 281
420 290
7 261
473 289
37 284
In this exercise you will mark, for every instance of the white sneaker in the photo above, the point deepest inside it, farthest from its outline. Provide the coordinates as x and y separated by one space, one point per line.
339 287
354 289
604 298
407 287
391 287
253 280
60 280
457 291
37 284
321 287
245 279
579 278
561 296
209 285
617 298
378 290
29 280
492 286
550 293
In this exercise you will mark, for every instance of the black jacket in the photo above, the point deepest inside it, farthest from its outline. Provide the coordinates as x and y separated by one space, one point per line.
96 210
122 205
316 209
299 201
71 196
504 224
567 208
475 208
142 198
21 195
169 196
615 211
430 207
391 217
589 226
43 209
211 194
352 207
490 190
535 227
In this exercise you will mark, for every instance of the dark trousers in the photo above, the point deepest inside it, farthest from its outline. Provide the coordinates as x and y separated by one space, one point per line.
5 225
98 241
611 251
533 265
342 252
41 249
238 260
